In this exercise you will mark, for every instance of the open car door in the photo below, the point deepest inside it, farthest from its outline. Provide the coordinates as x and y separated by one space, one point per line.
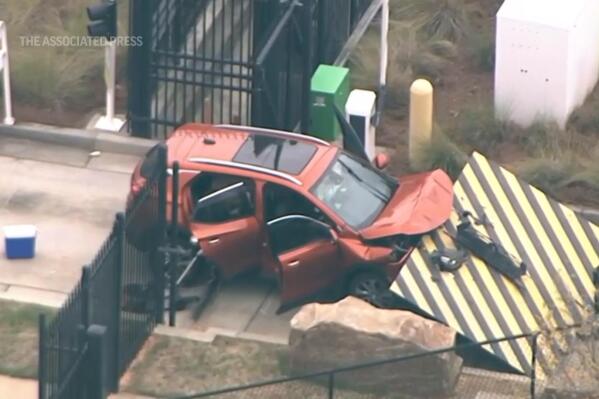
307 252
227 229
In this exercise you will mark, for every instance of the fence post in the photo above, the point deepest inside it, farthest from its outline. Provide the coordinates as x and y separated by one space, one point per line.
85 295
4 67
41 362
331 385
119 234
173 258
140 96
533 365
157 257
308 37
596 284
96 362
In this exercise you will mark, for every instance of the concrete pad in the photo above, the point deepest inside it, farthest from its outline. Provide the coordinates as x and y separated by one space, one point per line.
29 149
235 305
125 395
73 209
36 296
17 388
112 162
268 323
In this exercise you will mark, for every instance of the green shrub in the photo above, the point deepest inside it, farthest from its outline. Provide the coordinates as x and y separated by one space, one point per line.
542 138
441 153
410 57
420 56
478 128
481 50
551 174
585 119
42 76
442 19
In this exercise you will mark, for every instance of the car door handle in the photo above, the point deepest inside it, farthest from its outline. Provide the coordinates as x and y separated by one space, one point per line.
214 241
293 263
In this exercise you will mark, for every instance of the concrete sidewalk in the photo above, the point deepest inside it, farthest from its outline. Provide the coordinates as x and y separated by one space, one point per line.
72 198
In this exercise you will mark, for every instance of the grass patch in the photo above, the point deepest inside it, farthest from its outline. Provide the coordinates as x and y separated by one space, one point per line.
585 119
481 50
171 367
175 366
19 338
556 175
441 153
443 19
477 128
54 77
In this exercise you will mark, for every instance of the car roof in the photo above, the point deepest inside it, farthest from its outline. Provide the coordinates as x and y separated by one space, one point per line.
296 158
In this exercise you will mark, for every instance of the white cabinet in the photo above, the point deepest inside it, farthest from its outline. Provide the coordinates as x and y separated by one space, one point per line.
547 58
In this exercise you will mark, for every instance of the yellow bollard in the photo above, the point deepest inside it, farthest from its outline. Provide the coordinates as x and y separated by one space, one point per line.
421 117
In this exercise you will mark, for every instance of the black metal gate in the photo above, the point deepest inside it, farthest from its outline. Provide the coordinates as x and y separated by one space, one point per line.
243 62
121 292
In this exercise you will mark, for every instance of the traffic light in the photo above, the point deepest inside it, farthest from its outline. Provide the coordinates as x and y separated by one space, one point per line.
103 19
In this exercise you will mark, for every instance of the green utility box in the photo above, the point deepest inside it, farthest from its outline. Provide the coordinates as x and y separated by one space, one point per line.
330 85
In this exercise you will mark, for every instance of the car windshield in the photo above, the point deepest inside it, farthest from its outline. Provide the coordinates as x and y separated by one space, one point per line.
355 190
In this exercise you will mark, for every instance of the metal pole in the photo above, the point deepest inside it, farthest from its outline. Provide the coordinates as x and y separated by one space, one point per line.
119 232
384 61
331 385
174 258
85 295
308 28
96 363
158 257
4 64
384 44
533 364
110 79
41 363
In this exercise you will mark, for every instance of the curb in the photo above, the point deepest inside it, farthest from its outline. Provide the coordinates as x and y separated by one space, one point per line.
89 140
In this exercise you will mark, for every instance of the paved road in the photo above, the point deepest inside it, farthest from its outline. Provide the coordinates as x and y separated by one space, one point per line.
72 198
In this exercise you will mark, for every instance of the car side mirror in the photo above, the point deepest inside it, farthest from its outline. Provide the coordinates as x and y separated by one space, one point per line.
381 160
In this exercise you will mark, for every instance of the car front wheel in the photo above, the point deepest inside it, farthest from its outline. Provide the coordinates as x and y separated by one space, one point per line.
372 288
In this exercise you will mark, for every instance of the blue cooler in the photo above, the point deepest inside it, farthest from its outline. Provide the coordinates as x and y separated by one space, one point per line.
19 241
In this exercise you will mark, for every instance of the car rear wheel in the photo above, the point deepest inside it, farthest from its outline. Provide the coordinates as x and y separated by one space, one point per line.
372 288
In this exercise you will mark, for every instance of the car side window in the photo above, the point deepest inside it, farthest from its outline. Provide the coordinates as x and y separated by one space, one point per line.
294 231
220 198
281 201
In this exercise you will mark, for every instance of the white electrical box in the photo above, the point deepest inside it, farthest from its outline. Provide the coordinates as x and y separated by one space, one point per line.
360 109
547 58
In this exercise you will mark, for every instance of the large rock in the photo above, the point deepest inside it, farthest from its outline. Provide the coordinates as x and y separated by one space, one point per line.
329 336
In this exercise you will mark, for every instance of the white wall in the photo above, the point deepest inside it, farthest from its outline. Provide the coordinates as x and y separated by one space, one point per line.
530 71
545 67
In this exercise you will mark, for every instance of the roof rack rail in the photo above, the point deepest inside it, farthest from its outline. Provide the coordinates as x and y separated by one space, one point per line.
245 166
278 133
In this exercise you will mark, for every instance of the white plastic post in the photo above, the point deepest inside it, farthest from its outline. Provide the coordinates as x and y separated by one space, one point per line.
4 66
384 44
109 121
110 78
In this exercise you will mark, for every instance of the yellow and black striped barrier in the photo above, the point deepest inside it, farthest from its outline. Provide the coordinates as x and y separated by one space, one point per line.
559 248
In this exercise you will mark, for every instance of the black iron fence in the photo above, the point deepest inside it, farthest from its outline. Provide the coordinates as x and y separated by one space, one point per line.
120 295
231 61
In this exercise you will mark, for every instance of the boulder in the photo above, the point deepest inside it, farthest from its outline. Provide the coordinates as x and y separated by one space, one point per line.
349 332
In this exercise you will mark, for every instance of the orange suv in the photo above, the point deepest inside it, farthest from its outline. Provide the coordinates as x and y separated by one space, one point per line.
298 209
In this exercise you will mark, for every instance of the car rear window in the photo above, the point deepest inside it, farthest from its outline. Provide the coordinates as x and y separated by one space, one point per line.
285 155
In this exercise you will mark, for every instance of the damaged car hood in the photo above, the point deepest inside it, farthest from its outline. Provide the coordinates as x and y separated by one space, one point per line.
422 203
